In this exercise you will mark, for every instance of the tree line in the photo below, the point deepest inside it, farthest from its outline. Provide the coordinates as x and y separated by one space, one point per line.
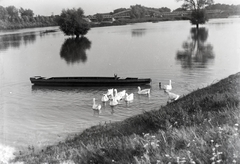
232 9
73 21
14 18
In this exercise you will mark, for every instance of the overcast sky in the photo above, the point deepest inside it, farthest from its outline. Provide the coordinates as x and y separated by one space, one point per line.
90 7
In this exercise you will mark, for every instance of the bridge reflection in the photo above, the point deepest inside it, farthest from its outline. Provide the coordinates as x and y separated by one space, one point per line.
138 32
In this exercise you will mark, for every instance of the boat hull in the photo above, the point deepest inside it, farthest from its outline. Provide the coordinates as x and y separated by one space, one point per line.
88 81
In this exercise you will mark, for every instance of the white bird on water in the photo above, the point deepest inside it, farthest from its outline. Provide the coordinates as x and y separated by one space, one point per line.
113 101
172 96
119 95
144 91
168 87
110 92
96 107
129 97
104 98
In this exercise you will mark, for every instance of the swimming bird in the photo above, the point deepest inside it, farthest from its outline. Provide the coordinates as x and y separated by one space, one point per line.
110 92
104 98
172 96
144 91
168 87
113 101
129 97
119 95
96 107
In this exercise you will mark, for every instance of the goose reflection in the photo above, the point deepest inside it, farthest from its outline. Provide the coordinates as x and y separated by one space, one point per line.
16 40
195 52
74 50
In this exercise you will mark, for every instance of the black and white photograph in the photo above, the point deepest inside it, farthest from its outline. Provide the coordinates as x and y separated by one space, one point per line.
119 82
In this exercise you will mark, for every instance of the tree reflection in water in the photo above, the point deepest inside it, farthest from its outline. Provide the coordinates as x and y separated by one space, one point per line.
195 52
74 50
16 40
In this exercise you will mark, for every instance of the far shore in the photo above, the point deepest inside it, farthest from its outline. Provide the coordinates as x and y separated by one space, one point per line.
14 26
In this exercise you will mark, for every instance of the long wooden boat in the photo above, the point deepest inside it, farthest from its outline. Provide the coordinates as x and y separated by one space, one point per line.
89 81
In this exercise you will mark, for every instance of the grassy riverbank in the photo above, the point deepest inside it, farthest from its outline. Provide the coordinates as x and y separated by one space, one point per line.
201 127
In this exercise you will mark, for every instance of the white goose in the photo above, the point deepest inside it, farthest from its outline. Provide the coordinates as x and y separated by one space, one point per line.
129 97
110 92
119 95
144 91
104 98
113 101
168 87
96 107
172 96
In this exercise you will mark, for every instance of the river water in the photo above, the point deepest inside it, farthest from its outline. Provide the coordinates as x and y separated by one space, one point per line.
39 116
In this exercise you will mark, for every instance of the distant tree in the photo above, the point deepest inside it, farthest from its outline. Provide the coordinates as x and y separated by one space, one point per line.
198 17
3 13
231 9
119 10
138 11
12 12
164 9
197 7
71 22
179 9
26 12
99 17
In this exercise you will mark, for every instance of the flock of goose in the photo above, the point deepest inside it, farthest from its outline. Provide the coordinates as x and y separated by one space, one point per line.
113 96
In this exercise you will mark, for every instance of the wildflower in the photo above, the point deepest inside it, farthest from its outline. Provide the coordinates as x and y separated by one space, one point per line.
212 141
219 153
218 161
182 160
145 145
177 159
212 159
167 155
217 145
146 135
236 124
234 161
234 156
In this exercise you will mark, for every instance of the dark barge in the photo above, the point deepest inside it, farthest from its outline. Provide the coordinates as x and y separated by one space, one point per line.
89 81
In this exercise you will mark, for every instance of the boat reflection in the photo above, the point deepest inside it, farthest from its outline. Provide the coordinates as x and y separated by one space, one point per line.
73 50
101 90
196 53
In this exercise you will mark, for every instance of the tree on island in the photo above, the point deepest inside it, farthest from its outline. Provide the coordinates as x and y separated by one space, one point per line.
72 22
198 15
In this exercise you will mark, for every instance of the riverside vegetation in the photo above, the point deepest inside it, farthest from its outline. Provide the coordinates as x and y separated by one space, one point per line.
201 127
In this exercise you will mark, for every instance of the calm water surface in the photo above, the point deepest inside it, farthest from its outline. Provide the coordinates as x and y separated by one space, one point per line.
40 116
